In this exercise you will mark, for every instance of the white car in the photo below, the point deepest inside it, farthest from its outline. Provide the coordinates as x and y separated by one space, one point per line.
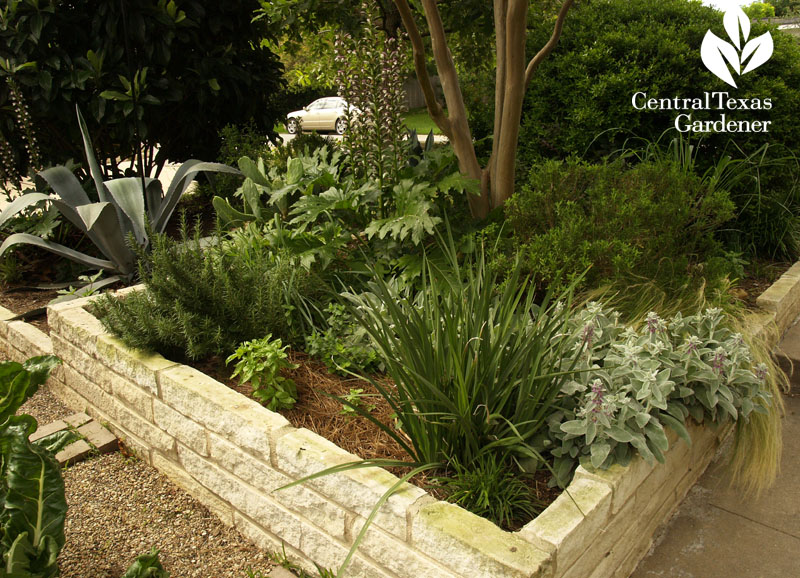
322 114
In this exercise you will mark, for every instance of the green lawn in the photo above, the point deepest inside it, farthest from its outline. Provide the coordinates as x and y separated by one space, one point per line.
419 120
416 119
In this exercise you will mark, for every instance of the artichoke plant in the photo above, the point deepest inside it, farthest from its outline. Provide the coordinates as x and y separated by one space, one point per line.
125 208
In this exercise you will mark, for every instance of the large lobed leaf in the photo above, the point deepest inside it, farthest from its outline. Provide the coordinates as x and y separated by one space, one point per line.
18 382
34 508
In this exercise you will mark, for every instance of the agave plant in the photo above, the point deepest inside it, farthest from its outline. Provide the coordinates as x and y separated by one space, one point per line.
126 207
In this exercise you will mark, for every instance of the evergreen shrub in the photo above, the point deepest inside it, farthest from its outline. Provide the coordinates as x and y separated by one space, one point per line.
651 220
202 300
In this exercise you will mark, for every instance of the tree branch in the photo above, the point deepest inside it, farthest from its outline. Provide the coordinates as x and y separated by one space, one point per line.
418 49
551 44
500 9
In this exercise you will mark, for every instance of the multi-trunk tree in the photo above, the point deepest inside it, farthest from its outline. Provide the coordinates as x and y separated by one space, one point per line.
512 76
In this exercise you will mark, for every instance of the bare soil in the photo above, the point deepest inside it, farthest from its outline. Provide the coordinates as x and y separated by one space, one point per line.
21 301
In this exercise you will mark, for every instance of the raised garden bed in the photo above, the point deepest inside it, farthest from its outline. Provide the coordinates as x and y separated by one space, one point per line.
231 453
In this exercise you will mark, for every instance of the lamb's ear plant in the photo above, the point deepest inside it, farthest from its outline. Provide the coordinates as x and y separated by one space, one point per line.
122 209
637 381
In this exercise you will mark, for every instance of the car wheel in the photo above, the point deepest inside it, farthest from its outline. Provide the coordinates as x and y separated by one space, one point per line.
293 126
341 125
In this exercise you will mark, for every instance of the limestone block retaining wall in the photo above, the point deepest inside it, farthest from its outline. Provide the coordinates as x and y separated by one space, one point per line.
231 454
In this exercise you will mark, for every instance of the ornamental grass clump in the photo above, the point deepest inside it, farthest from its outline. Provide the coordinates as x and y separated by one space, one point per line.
477 368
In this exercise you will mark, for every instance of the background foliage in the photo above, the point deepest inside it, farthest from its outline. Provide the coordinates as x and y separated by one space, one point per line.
174 72
611 49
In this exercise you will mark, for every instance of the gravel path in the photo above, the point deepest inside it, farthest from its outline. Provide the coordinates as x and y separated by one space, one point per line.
120 507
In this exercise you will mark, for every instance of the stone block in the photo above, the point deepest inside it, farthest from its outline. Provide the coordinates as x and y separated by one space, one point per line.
180 427
46 430
136 398
73 453
330 554
397 555
606 548
280 572
220 409
30 340
660 484
247 500
132 443
77 419
5 315
269 542
257 472
138 366
575 519
85 364
301 453
623 480
639 537
210 500
101 440
78 303
67 395
89 391
309 504
154 437
475 547
74 324
130 289
783 298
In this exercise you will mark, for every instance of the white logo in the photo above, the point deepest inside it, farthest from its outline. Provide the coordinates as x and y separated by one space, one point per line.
715 51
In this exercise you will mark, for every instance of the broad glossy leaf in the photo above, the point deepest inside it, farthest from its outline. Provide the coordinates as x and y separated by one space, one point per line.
229 216
18 238
252 196
252 171
294 171
761 48
17 561
21 203
66 185
14 381
153 195
35 500
75 218
147 565
57 441
714 52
